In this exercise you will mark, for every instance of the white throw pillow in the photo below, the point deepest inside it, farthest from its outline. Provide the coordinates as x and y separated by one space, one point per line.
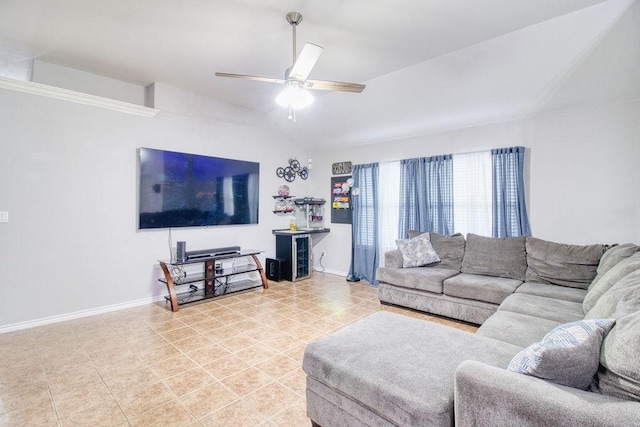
417 252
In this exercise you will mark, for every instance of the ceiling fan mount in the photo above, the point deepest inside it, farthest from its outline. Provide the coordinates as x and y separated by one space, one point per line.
295 81
294 18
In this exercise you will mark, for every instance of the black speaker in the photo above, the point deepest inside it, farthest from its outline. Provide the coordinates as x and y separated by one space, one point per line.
274 269
181 251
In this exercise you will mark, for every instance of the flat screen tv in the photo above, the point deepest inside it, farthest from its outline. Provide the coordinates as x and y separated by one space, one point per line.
189 190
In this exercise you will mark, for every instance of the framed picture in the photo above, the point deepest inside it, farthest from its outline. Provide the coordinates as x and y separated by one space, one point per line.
341 168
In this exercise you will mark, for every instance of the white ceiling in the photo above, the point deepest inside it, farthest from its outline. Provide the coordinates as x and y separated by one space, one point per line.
449 62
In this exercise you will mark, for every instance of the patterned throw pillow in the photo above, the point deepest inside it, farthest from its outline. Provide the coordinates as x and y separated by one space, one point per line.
417 252
568 355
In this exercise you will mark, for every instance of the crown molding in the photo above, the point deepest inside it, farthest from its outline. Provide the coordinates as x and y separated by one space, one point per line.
77 97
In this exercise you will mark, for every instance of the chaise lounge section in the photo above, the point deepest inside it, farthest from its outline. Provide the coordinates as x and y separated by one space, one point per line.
389 369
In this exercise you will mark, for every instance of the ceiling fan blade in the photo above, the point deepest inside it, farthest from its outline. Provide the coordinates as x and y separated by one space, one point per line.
244 76
337 86
305 62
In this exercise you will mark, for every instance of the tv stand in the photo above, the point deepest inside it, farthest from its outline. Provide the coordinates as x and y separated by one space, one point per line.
215 278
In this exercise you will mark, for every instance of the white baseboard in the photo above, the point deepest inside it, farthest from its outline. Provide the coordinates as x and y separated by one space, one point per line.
106 309
78 314
334 272
340 273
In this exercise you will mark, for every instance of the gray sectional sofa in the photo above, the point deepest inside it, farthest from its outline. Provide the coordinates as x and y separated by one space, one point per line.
476 275
388 369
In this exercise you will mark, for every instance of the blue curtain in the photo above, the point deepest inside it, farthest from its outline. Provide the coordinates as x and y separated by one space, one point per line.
440 193
509 208
364 224
426 195
413 196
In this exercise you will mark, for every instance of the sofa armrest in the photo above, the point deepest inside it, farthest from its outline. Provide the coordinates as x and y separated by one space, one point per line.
490 396
393 259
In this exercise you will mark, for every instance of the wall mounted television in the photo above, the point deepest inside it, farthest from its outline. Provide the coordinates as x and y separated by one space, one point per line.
189 190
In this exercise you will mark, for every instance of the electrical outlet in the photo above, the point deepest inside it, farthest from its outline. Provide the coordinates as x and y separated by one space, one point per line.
4 216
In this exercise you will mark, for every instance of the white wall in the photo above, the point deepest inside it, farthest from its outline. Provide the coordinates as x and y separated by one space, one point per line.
581 171
585 175
80 81
68 176
337 243
68 180
581 175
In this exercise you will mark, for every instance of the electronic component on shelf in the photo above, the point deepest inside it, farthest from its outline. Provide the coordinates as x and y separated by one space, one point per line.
207 253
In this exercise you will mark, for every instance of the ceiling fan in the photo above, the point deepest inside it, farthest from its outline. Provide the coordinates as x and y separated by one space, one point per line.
295 94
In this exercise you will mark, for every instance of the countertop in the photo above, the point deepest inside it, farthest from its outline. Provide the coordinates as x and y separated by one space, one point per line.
287 232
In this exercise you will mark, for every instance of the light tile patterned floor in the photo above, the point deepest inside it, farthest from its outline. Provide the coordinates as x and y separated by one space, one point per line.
233 361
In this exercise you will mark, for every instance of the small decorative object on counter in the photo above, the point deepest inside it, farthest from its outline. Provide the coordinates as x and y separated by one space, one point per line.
310 213
292 225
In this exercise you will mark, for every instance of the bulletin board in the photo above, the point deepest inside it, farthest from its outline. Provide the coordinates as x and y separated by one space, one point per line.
340 200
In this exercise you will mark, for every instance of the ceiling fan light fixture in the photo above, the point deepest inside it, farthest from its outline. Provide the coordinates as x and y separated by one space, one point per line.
295 97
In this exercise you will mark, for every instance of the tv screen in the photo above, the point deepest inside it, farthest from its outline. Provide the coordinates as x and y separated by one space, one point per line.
188 190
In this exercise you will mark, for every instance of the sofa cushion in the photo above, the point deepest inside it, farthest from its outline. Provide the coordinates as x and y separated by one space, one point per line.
561 264
619 373
610 278
515 328
606 306
480 288
612 257
450 249
422 278
543 307
468 310
568 355
417 252
493 256
399 366
552 291
393 259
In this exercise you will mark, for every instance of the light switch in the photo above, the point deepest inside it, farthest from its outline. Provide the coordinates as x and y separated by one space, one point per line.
4 216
